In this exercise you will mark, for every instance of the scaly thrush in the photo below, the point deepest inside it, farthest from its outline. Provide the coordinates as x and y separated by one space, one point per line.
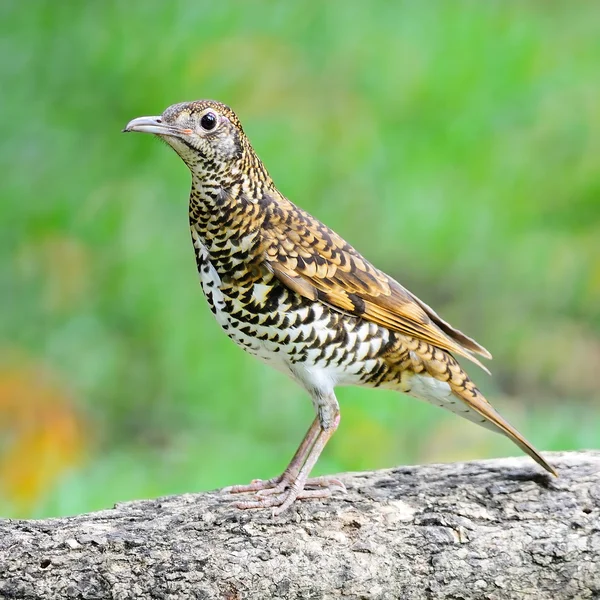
293 293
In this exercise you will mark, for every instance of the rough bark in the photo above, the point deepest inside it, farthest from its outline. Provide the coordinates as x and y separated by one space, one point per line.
493 529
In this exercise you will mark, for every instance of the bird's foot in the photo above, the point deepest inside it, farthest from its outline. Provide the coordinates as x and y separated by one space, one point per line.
256 485
319 483
280 492
281 502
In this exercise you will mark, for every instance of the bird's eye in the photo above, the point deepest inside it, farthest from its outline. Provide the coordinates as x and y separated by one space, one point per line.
209 121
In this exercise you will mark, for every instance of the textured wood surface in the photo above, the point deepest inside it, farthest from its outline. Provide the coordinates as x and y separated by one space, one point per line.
493 529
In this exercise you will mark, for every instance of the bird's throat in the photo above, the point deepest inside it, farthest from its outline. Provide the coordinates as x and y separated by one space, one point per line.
227 224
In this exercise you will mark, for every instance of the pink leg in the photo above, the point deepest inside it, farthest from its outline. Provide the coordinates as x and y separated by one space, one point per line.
283 496
291 470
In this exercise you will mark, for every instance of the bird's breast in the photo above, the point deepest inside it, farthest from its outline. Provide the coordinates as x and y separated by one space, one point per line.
286 330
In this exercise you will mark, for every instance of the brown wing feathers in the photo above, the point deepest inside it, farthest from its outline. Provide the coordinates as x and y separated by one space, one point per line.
455 334
315 262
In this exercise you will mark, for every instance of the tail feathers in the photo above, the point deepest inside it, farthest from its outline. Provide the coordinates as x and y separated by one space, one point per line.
490 418
460 396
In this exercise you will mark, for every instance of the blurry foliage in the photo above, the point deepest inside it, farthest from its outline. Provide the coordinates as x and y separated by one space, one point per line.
455 144
41 434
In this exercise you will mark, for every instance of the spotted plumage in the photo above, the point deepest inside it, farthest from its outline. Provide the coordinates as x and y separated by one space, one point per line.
293 293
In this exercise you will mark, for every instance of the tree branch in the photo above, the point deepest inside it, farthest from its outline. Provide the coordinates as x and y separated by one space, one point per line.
494 529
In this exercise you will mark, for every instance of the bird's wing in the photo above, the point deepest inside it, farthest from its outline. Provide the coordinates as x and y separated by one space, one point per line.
314 261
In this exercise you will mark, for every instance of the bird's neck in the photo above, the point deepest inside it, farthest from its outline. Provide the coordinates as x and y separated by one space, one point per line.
226 212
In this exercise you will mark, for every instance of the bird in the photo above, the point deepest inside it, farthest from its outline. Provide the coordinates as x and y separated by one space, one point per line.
293 293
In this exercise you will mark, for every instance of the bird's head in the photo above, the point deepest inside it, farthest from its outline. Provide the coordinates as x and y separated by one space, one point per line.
206 134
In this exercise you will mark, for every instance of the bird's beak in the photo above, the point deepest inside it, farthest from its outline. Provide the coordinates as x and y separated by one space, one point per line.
154 125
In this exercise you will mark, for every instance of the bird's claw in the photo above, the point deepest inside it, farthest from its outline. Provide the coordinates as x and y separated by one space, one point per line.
282 501
316 482
256 485
280 492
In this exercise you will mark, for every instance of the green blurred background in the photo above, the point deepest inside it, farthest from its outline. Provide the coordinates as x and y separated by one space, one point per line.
456 145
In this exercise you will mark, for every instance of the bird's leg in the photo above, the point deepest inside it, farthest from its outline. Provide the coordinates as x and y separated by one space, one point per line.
291 474
291 471
296 490
293 486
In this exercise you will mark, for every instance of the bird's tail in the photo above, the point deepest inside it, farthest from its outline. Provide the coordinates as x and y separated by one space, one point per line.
446 383
491 419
